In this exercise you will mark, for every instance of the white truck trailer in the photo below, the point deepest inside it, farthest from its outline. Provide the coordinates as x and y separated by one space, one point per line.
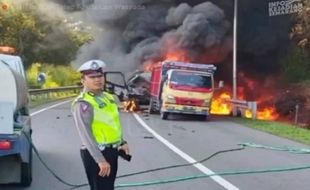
15 125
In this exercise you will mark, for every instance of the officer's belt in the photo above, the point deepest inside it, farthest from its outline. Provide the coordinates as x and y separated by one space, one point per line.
110 145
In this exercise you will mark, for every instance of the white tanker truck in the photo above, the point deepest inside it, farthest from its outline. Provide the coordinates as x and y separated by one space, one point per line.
15 148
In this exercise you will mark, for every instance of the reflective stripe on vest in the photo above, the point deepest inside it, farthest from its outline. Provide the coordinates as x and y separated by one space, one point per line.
106 126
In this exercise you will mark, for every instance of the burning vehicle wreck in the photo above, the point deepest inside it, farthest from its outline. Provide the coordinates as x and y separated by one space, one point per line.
139 85
133 92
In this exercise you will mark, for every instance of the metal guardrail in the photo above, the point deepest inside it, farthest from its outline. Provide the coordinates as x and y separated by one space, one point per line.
242 106
53 93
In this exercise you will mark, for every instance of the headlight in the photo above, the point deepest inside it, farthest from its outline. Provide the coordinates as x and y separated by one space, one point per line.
170 99
206 103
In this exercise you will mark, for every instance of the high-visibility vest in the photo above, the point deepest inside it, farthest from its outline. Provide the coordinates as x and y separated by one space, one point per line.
106 126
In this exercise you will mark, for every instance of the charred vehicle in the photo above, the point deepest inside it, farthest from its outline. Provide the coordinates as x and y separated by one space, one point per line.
130 92
139 84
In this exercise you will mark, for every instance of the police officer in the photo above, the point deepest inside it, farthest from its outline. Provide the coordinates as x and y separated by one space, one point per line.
97 120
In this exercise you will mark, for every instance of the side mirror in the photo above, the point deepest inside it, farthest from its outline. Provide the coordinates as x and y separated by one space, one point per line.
221 84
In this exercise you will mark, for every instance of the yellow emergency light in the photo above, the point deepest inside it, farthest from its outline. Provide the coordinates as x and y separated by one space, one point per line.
7 50
5 6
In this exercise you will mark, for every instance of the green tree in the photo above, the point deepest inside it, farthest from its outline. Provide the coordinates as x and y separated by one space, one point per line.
296 64
37 37
56 75
301 30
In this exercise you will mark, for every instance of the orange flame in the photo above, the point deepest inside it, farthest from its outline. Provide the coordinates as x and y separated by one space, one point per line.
268 113
130 106
149 65
177 55
220 106
248 114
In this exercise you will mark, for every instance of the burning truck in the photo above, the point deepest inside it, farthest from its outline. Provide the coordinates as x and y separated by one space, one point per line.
180 87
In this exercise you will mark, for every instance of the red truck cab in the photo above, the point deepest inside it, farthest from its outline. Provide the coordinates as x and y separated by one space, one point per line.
180 87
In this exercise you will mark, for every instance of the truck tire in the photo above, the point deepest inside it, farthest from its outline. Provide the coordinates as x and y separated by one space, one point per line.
164 115
151 107
26 171
205 117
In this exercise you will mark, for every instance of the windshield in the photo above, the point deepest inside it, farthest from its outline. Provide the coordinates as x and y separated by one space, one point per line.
191 79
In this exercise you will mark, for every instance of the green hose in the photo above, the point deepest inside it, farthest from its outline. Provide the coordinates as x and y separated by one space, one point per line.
283 148
233 172
224 173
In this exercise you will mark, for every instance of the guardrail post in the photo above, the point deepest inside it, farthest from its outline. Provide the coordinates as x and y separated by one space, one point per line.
254 110
234 111
296 113
48 95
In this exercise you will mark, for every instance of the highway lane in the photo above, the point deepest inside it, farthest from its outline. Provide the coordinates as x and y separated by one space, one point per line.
199 139
57 140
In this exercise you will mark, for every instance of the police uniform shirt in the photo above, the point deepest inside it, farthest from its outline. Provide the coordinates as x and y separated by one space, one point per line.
83 115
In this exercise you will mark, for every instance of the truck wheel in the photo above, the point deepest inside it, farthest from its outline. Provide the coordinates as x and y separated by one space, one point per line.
205 118
164 115
26 172
151 107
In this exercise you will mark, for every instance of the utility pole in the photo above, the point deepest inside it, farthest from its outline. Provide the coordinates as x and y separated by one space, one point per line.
235 54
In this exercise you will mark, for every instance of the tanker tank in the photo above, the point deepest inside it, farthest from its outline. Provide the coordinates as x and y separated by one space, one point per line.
13 87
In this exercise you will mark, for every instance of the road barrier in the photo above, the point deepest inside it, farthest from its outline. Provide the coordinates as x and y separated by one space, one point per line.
38 95
244 108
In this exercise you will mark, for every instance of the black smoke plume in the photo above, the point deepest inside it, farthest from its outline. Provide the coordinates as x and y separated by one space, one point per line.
133 32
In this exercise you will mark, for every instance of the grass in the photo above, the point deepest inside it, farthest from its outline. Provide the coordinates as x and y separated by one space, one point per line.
277 128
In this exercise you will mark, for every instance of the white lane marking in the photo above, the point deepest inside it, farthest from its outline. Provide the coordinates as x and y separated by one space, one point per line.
50 107
205 170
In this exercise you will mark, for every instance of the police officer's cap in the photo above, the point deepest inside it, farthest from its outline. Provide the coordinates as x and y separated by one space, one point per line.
92 66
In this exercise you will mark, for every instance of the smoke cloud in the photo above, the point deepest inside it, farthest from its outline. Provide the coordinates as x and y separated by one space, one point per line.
135 32
132 33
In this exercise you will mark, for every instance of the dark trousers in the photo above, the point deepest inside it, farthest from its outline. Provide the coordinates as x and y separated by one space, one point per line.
95 181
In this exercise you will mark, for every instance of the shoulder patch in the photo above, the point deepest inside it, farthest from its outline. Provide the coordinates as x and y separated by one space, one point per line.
84 107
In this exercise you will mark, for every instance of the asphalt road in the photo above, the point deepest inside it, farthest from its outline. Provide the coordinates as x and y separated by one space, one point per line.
156 143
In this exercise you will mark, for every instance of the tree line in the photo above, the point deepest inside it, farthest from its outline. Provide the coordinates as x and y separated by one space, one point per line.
38 37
